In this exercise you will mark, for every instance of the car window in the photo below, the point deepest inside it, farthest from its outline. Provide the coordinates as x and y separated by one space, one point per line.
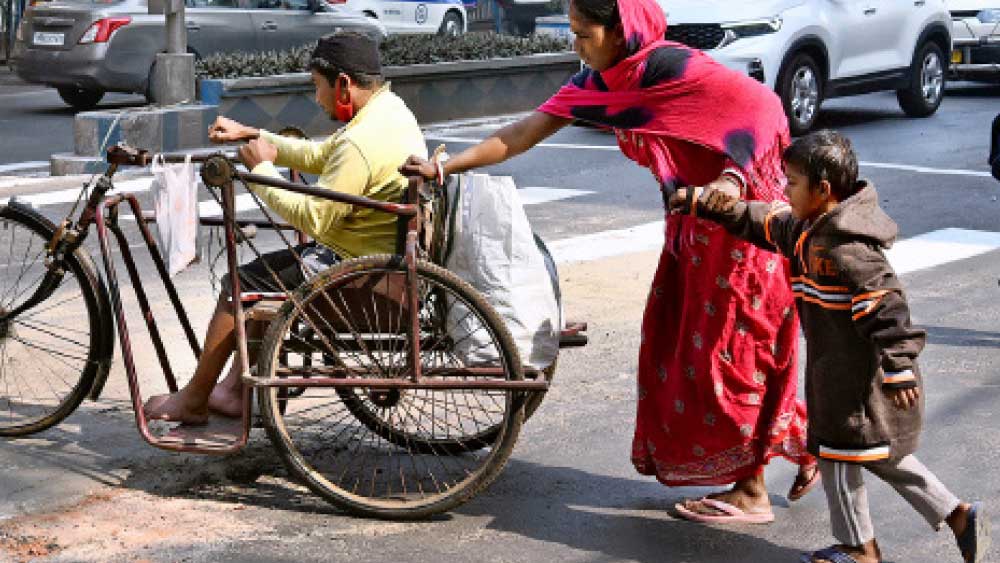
210 3
278 4
90 2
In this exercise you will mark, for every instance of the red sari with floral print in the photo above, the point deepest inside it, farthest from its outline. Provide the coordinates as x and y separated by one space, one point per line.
717 365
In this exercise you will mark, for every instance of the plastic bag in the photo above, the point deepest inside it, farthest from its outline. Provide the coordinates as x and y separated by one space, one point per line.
175 201
492 247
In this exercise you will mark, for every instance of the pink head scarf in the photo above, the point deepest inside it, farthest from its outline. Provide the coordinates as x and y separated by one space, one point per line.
664 89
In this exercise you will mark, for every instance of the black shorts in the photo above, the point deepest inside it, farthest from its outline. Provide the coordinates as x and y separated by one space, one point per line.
257 275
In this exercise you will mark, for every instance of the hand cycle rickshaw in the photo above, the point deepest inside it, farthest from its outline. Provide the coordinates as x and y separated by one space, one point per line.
388 385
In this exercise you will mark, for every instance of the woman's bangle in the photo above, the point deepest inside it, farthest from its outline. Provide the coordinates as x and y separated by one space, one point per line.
439 168
737 177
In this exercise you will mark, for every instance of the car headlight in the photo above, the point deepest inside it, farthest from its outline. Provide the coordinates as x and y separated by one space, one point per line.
751 28
991 15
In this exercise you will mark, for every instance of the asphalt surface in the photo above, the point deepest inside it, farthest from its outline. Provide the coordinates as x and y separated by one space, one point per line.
90 491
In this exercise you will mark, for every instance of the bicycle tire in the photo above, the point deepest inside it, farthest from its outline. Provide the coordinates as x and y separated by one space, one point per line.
81 296
305 452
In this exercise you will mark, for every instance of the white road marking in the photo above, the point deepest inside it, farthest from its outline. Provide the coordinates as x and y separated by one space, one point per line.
940 247
910 255
926 170
529 196
19 181
605 244
70 195
536 195
471 140
23 165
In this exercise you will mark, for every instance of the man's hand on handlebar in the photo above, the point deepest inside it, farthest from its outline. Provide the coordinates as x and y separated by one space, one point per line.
416 166
257 151
225 130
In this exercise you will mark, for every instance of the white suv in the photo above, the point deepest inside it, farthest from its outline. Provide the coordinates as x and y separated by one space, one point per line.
811 50
976 35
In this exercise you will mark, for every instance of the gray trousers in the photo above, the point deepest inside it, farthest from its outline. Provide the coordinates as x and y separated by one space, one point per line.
848 500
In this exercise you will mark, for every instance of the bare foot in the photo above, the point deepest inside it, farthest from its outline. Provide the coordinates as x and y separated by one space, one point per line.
173 408
226 401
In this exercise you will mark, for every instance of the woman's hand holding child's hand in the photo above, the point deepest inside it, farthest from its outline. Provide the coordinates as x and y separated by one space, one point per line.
712 200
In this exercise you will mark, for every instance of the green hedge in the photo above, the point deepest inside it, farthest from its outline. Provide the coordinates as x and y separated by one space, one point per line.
396 50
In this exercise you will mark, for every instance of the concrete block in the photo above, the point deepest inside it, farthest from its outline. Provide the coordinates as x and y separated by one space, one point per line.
173 78
143 129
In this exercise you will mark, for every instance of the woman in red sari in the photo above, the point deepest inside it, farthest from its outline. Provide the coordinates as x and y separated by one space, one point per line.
717 375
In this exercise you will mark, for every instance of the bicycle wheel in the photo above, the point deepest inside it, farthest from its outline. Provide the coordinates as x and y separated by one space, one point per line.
50 354
390 454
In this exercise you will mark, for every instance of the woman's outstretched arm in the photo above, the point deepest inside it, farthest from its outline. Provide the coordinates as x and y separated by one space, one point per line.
508 142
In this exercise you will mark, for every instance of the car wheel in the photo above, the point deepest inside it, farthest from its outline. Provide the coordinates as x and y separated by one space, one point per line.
927 79
79 98
800 87
451 25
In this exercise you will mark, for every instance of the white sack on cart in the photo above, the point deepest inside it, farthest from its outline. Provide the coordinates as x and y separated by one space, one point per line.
175 201
494 249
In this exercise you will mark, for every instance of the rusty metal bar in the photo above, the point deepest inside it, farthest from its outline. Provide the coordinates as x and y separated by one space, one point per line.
342 372
168 284
413 328
397 383
242 355
126 345
408 209
147 312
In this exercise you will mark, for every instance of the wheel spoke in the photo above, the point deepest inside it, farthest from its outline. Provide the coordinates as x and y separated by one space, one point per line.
403 451
46 350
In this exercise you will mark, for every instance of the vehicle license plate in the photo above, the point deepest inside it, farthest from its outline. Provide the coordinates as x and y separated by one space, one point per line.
956 56
42 38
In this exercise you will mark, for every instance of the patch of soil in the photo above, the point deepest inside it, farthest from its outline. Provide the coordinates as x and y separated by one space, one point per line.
119 525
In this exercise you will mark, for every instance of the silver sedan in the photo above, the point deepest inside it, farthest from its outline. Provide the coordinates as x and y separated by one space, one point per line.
85 48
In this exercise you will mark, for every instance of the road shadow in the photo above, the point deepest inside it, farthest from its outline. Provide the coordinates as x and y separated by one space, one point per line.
838 117
622 519
618 518
973 90
952 336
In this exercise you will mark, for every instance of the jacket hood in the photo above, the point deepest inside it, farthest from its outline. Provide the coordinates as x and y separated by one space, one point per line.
860 216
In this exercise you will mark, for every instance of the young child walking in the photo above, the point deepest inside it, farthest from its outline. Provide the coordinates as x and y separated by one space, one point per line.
863 387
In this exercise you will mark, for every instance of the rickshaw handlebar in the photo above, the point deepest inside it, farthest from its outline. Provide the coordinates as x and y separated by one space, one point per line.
220 168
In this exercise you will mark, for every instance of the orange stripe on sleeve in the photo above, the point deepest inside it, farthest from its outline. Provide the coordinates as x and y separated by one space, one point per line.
827 288
874 296
767 221
870 295
854 458
823 304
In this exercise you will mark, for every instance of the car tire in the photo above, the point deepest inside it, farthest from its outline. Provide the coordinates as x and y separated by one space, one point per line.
928 74
80 99
800 87
451 25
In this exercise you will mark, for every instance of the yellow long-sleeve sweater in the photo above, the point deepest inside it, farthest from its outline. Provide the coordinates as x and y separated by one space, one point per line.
360 159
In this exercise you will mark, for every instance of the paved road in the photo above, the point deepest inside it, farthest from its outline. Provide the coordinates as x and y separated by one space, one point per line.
88 491
39 110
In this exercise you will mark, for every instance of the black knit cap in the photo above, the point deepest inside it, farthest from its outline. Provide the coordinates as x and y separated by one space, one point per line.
348 52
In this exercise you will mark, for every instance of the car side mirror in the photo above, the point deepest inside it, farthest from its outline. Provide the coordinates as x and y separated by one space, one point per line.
315 5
